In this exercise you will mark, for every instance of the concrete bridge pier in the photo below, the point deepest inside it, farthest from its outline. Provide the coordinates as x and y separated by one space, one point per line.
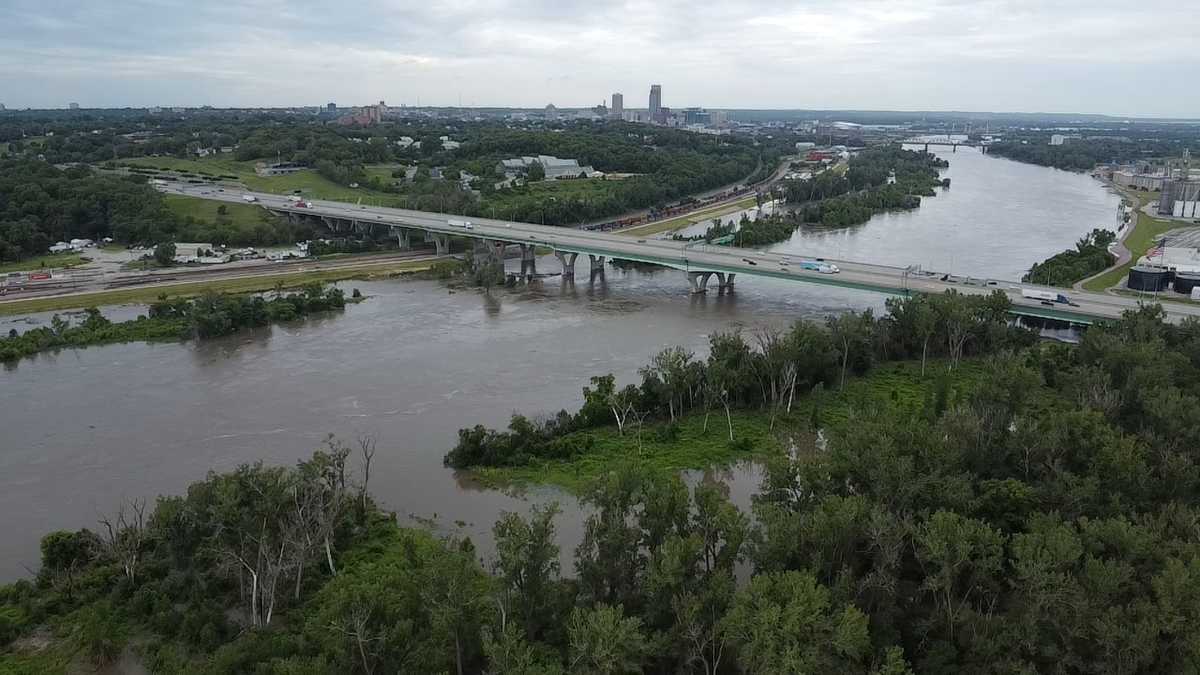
487 252
597 267
403 238
699 281
725 282
528 261
441 243
567 260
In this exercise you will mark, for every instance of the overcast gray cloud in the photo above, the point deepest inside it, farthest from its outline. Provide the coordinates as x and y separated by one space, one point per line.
1006 55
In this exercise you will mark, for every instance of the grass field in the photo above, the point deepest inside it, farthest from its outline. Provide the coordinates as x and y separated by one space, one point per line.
206 210
241 285
894 385
58 260
689 219
1145 232
311 183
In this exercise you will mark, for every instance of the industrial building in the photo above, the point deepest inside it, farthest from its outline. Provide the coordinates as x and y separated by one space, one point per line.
1141 181
555 167
1174 262
1180 198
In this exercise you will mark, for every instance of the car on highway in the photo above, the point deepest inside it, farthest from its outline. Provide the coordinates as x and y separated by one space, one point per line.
1044 302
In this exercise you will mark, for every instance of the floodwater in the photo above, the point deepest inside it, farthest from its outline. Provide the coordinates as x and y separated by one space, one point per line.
83 429
996 219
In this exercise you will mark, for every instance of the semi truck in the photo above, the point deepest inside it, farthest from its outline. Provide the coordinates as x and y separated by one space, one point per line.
817 266
465 224
1044 296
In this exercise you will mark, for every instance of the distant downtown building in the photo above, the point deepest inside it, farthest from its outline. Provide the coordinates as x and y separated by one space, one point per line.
618 105
74 106
655 99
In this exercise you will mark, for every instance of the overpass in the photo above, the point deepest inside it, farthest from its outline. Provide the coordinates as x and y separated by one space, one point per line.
700 262
951 143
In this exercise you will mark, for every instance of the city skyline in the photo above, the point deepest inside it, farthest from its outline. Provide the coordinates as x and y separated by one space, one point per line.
921 55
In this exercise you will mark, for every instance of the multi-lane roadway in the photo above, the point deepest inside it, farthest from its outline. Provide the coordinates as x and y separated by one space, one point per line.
1084 306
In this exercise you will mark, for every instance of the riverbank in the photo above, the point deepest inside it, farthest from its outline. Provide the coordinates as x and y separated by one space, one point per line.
212 315
244 284
1137 240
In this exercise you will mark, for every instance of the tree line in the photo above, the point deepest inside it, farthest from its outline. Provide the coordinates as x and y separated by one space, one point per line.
1041 519
40 205
207 316
1081 154
1090 256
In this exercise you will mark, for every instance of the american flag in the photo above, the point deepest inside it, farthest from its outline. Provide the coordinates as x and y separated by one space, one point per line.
1158 249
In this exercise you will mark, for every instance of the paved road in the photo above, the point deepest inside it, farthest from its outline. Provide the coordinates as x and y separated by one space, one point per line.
699 258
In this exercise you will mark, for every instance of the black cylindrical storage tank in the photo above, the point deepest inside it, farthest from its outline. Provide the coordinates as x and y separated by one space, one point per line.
1148 278
1186 281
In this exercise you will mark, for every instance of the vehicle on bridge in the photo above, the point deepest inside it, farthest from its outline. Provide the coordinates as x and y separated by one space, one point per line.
249 198
1044 296
821 267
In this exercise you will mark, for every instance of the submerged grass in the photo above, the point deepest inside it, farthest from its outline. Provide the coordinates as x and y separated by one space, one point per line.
898 385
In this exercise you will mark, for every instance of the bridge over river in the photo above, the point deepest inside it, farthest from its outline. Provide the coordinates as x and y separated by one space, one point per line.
700 262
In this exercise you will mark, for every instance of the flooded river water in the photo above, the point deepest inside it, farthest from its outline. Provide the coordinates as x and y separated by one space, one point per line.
82 429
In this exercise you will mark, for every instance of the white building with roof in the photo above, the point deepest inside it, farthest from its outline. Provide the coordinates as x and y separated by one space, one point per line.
556 168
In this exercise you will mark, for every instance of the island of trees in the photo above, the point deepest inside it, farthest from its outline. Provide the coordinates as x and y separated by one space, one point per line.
831 199
207 316
1006 506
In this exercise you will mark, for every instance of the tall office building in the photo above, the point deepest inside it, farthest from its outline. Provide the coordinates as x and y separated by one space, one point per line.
74 106
618 105
655 99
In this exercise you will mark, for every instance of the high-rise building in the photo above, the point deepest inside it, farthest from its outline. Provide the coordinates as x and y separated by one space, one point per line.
655 100
618 105
331 107
2 108
74 106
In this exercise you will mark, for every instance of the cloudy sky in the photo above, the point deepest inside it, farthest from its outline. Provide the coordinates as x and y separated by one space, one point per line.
1118 57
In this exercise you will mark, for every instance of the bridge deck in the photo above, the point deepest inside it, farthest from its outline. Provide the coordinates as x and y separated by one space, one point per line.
1088 307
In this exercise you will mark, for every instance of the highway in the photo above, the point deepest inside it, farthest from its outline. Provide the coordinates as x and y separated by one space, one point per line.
691 257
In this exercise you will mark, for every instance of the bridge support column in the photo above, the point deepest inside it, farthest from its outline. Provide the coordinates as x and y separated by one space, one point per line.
528 261
403 238
441 243
725 282
485 252
567 260
597 266
699 281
